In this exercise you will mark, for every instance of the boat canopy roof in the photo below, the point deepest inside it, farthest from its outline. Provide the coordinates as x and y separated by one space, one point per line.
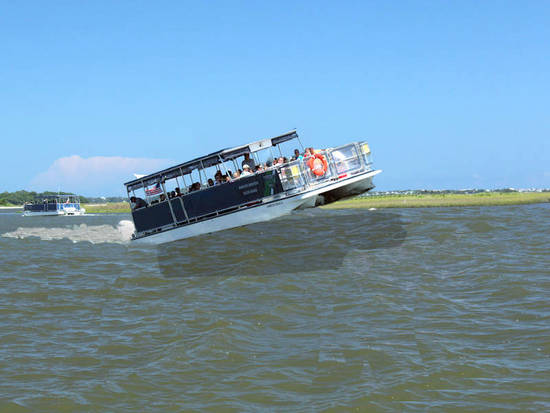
55 196
212 159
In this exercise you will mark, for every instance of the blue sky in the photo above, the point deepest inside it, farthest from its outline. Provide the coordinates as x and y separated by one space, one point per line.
448 94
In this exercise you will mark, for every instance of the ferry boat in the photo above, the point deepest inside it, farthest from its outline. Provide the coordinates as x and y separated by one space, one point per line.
54 205
173 207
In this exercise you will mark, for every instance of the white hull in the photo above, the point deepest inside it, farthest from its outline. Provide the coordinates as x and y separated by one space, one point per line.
42 213
73 211
347 188
82 211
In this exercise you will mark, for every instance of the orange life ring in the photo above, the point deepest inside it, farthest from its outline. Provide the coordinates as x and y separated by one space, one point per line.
318 164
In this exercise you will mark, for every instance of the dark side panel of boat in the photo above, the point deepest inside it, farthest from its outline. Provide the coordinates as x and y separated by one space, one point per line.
45 207
208 201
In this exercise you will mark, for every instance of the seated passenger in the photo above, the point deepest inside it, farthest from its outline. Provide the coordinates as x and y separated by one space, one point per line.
136 203
162 197
178 192
246 170
236 175
210 182
307 153
248 161
226 178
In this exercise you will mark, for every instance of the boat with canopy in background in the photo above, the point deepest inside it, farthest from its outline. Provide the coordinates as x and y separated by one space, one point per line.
168 206
54 205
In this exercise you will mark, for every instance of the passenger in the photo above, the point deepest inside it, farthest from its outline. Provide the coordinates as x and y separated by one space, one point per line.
136 203
218 178
248 161
196 186
268 164
173 194
236 175
210 182
226 178
162 197
297 155
309 152
246 170
259 168
178 192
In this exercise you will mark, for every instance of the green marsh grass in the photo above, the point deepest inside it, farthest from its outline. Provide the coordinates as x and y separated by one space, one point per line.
443 200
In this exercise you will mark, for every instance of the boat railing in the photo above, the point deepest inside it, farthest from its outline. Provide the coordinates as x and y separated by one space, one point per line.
351 159
293 176
311 177
342 162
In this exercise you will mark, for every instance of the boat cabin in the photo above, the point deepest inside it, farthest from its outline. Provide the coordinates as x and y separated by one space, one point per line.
52 205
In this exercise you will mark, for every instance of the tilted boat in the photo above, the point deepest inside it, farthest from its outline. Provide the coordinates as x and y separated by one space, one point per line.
163 215
66 204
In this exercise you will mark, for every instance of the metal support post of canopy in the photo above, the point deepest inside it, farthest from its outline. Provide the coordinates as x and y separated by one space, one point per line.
169 202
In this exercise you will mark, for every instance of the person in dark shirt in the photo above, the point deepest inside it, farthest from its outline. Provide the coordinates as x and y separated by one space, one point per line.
136 203
248 161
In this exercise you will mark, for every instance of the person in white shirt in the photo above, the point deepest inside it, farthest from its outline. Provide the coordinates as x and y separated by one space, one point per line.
246 170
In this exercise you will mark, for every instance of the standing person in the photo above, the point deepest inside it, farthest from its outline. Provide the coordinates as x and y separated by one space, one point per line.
297 155
248 161
218 178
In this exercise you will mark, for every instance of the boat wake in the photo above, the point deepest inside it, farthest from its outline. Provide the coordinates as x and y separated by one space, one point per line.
95 234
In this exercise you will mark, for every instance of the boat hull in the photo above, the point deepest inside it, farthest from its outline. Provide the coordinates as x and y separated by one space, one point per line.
42 213
347 188
55 213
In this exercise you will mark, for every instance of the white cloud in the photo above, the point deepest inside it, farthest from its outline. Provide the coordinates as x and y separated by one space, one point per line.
97 175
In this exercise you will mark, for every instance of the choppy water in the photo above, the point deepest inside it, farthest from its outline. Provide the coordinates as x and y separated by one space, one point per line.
420 309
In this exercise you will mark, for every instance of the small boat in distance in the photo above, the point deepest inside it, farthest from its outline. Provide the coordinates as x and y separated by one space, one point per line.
182 202
54 205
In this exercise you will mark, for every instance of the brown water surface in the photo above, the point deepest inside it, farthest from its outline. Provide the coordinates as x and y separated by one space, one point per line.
417 309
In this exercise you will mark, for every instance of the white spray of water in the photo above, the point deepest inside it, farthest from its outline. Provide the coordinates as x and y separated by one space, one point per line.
96 234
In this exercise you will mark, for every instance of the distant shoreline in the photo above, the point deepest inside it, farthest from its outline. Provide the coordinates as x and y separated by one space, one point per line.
381 201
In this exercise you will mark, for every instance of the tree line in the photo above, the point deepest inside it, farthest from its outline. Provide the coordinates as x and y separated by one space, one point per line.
20 197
